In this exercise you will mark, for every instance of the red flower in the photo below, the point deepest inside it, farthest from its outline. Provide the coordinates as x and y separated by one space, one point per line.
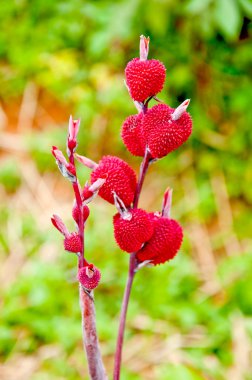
144 78
89 276
131 134
164 243
131 229
120 178
72 243
163 133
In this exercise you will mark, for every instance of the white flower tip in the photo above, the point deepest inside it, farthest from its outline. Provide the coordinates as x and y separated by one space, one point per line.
180 109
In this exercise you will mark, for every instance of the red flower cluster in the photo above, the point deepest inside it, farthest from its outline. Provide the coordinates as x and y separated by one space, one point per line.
152 133
158 131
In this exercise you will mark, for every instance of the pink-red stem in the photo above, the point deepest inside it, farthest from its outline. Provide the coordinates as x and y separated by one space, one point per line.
90 339
131 274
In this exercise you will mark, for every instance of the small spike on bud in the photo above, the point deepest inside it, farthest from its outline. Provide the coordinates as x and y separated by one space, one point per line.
72 243
180 110
144 47
90 192
167 201
59 224
86 161
121 208
89 276
139 106
95 187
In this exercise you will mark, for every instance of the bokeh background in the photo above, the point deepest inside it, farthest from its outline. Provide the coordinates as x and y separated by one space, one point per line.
192 318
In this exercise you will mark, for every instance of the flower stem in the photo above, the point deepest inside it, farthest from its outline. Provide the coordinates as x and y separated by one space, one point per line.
143 169
131 274
90 340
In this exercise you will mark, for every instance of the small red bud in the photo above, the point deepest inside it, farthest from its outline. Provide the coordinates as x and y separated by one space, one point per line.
59 224
76 213
72 243
89 276
73 129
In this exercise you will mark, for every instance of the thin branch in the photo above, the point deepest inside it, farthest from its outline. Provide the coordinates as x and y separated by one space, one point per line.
90 339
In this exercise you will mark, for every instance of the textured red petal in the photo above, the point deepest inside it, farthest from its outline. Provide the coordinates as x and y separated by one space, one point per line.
161 133
165 242
131 234
72 243
144 78
121 178
131 135
87 281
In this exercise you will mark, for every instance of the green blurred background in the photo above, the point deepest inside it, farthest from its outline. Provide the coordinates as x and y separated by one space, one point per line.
192 318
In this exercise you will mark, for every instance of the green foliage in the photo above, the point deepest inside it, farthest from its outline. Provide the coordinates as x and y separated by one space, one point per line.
75 51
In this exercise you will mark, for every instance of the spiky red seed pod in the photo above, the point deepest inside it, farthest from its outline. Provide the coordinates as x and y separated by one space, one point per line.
72 243
131 232
144 78
120 178
164 243
76 213
162 134
131 135
89 276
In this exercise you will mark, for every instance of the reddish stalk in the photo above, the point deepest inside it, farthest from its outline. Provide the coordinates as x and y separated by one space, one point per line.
89 332
90 339
131 274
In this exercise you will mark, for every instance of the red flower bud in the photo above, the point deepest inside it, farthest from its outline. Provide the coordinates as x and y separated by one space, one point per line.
144 78
76 213
89 276
73 129
59 224
120 178
164 243
132 228
66 169
161 133
72 243
131 134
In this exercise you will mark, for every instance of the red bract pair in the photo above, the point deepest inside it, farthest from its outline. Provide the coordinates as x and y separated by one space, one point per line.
151 238
161 129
